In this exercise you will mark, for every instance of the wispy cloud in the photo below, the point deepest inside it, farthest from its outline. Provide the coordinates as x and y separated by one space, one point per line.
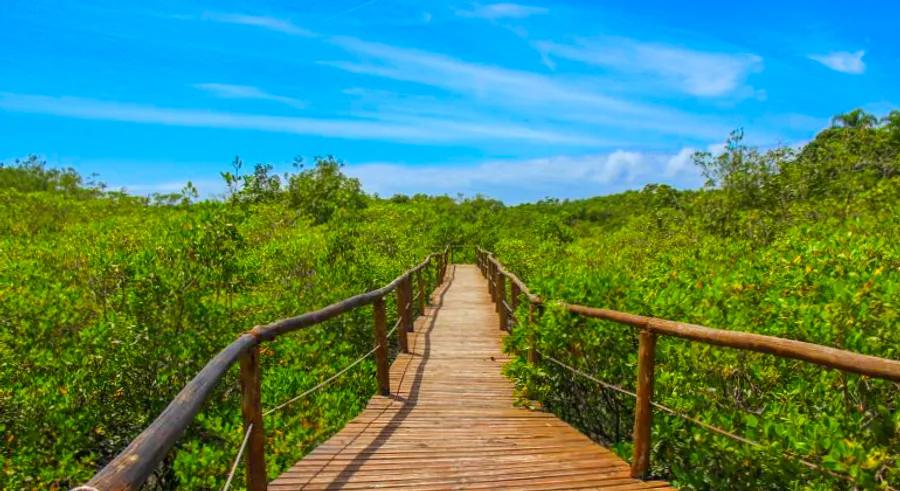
843 61
407 129
229 91
696 72
501 10
562 176
522 93
483 81
271 23
577 101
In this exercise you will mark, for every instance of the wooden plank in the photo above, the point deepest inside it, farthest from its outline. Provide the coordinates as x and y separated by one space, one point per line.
450 421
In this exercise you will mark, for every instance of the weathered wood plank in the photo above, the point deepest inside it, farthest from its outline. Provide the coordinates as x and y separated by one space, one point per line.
450 420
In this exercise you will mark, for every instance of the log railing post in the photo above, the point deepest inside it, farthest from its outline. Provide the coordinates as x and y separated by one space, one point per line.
422 300
382 373
489 275
514 294
402 313
251 407
640 460
409 306
533 312
498 289
433 274
501 299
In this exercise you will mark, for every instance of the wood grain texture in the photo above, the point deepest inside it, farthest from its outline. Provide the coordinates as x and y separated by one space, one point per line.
382 370
450 421
251 407
643 415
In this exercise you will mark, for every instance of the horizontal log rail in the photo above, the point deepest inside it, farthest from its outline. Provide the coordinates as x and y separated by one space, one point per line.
651 327
131 467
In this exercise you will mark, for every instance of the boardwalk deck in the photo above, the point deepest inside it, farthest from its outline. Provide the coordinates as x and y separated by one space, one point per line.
450 422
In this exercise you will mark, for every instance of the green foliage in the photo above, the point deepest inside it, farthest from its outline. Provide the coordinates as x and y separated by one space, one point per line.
32 175
258 187
110 303
771 246
321 191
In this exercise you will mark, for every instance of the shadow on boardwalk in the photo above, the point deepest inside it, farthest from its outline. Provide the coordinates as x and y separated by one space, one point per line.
409 403
451 421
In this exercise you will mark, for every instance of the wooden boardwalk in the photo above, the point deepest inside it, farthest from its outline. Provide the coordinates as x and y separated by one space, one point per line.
450 422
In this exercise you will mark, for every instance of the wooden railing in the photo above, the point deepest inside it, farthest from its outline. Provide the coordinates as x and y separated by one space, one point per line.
651 327
131 468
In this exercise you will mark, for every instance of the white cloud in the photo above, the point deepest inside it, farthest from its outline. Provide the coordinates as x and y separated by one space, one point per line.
521 93
270 23
484 81
578 103
530 179
408 129
699 73
681 162
843 61
502 10
229 91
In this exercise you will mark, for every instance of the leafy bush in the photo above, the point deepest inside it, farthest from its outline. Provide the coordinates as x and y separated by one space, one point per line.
109 304
770 247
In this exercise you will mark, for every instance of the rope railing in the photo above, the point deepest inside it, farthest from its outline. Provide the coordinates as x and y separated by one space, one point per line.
322 383
649 328
702 424
132 466
237 458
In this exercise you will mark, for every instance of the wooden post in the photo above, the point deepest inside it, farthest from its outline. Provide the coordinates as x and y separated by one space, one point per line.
421 280
640 460
402 300
533 357
498 288
490 277
382 370
504 314
514 294
410 306
251 407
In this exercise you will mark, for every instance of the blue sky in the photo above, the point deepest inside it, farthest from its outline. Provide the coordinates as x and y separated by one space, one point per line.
515 100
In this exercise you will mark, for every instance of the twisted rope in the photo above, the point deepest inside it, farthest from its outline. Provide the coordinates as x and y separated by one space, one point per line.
237 459
324 382
707 426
